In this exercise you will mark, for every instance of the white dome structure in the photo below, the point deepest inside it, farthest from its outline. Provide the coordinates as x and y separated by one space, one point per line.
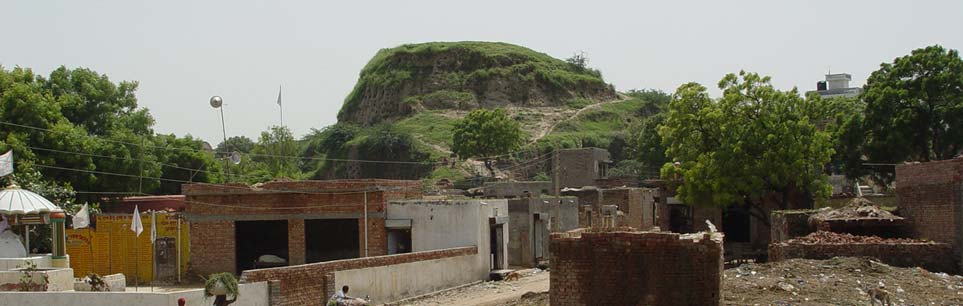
17 201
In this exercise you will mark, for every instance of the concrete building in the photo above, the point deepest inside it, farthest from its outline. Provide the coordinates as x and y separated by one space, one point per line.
837 85
233 225
636 207
581 167
428 225
531 221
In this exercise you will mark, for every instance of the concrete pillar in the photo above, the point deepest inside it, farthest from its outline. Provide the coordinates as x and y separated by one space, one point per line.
59 242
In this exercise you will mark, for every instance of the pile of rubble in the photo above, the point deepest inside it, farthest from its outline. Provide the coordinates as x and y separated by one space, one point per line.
858 208
824 237
837 281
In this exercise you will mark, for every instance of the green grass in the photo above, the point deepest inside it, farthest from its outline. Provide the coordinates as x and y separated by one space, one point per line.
596 127
429 126
478 62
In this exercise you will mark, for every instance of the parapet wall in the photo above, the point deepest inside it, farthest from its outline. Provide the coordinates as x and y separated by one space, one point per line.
931 256
635 268
312 284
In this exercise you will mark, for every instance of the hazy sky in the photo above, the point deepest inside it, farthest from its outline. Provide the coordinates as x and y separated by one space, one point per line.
183 52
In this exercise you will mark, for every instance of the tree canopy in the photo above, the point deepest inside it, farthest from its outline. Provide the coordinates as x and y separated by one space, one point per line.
754 141
79 130
914 108
485 134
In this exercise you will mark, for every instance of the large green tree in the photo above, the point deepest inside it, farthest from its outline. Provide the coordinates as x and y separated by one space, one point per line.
914 108
485 134
278 150
77 128
753 142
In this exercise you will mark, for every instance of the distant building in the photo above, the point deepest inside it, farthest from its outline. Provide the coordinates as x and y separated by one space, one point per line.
837 85
581 167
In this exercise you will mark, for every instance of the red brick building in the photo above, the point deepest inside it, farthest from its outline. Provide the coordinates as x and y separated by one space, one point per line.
232 225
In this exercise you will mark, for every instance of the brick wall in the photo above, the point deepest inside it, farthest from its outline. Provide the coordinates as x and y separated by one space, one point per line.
931 199
312 284
634 268
212 206
931 256
215 240
296 246
788 224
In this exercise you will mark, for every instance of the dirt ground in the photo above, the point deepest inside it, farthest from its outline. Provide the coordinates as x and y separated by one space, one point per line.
837 281
491 293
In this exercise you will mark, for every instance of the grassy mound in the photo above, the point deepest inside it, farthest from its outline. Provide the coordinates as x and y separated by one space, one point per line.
465 75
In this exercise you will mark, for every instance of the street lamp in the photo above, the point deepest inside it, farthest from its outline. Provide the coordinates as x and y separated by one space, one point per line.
218 103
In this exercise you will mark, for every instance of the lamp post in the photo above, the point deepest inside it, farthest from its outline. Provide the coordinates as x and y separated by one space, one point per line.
218 103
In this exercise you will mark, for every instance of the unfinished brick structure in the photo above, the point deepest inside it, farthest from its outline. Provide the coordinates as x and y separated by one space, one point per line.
300 221
931 199
635 268
312 284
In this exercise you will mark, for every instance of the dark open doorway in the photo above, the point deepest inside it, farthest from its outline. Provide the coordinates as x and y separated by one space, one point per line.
257 238
399 241
680 218
331 239
496 242
736 224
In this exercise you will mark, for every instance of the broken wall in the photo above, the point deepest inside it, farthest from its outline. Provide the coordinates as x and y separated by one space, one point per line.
635 268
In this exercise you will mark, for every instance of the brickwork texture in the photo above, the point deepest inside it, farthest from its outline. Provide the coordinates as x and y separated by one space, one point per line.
634 268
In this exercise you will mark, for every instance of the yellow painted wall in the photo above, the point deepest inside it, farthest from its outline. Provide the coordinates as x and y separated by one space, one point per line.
111 247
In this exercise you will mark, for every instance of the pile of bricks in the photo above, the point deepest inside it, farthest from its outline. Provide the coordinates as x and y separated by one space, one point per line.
635 268
844 238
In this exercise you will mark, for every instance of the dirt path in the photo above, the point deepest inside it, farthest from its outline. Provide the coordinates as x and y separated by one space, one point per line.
487 293
544 132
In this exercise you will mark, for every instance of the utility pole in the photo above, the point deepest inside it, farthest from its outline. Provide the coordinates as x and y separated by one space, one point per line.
555 170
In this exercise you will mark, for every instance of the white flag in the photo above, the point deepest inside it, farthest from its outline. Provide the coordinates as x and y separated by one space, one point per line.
82 218
6 163
279 95
153 227
136 226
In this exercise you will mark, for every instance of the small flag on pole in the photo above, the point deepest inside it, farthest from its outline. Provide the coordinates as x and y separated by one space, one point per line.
279 95
6 160
153 227
82 218
136 226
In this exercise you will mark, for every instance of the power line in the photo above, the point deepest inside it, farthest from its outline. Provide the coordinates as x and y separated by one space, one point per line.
218 185
216 152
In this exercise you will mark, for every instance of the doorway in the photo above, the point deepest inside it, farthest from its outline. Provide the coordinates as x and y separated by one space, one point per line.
496 240
539 238
165 255
258 238
331 239
399 241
